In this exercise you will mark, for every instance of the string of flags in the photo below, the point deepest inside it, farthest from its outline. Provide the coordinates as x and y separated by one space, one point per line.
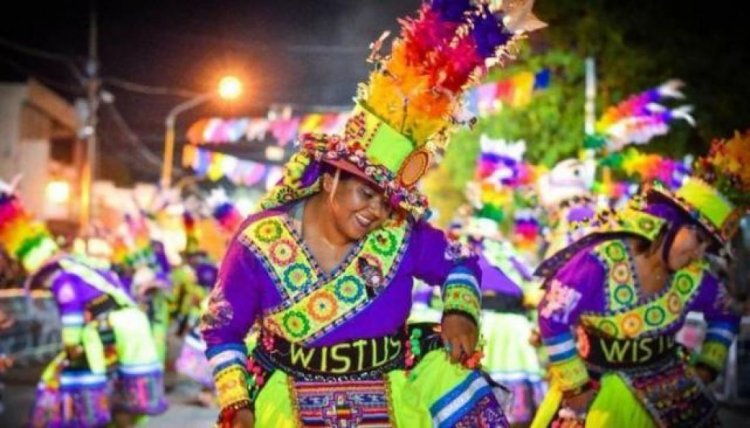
215 166
484 100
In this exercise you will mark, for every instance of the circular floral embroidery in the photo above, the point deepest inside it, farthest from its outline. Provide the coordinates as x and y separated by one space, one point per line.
268 230
615 252
624 294
283 252
684 283
297 276
322 306
383 242
655 316
674 305
349 289
632 324
621 273
608 327
296 324
646 224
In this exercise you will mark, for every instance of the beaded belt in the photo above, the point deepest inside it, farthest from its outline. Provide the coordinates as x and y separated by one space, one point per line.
357 359
621 354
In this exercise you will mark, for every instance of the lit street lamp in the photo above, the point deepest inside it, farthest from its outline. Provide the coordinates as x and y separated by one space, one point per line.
229 88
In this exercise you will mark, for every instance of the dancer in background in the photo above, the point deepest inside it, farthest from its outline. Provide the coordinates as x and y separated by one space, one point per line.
109 371
625 290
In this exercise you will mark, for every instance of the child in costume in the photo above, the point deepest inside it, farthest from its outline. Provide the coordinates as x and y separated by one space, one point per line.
327 267
108 371
625 290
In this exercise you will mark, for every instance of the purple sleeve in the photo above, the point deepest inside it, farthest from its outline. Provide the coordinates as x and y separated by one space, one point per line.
574 289
722 321
235 301
65 288
70 301
233 306
440 261
437 256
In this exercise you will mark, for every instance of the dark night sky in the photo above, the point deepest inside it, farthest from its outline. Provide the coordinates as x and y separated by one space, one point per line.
310 53
289 51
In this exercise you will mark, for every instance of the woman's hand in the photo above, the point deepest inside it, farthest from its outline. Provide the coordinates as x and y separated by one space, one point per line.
706 375
572 413
580 403
243 419
459 336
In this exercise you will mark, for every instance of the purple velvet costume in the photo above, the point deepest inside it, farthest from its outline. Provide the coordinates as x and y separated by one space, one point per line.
249 300
269 276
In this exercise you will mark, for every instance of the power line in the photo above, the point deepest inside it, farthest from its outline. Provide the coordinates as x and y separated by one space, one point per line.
34 51
39 53
148 89
131 137
65 87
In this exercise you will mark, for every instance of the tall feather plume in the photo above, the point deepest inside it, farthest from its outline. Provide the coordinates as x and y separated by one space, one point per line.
448 47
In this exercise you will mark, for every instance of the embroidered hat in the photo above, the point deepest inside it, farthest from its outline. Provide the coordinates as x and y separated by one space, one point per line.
718 193
25 238
406 110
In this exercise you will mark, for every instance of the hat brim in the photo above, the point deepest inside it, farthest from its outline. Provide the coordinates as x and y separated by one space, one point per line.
659 195
352 169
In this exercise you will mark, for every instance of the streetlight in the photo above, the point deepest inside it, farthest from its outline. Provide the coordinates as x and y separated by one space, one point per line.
229 88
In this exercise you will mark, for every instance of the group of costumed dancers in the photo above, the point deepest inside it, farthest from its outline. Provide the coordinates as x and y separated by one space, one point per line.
338 303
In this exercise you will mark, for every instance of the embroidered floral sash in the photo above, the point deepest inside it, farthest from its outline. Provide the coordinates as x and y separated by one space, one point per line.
627 316
314 303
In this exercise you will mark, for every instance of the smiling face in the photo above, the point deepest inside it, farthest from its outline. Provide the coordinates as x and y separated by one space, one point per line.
357 207
690 244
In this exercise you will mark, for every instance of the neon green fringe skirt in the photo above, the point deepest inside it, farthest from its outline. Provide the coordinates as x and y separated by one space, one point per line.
435 393
615 405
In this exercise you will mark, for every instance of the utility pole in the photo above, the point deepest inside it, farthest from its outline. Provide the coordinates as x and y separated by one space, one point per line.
590 104
92 91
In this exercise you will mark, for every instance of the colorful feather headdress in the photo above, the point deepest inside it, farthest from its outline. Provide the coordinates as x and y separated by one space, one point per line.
191 234
224 211
412 100
639 118
23 237
718 193
132 245
648 167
